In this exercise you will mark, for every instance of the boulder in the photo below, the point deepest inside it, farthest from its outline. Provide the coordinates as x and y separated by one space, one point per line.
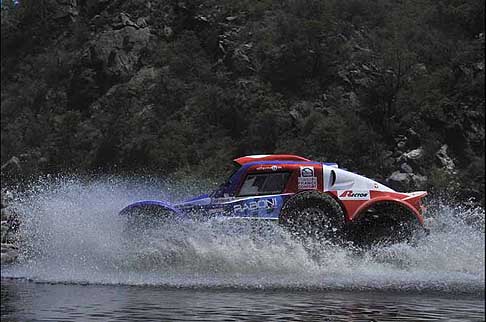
398 154
387 159
145 76
8 253
296 116
66 9
6 214
386 154
418 181
445 160
413 138
406 168
352 99
119 50
142 22
6 198
4 228
399 181
406 181
402 145
168 32
12 165
415 154
126 21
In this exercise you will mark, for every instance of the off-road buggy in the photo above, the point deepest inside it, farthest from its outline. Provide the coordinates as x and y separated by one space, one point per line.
306 197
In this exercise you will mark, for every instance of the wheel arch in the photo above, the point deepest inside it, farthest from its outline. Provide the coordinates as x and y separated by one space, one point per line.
317 192
151 203
381 200
340 203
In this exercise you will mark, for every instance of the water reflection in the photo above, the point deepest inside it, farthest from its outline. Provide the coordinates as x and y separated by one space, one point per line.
29 301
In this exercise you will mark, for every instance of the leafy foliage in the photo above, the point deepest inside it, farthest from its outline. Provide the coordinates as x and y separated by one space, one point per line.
175 85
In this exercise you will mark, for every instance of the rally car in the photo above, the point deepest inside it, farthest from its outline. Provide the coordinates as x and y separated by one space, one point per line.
309 198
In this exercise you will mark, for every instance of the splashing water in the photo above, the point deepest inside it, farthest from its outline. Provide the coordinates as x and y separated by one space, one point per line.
72 233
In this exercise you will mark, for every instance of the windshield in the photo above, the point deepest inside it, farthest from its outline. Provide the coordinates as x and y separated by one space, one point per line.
257 184
224 187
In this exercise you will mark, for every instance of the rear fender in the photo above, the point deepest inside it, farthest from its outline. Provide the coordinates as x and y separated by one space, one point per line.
410 202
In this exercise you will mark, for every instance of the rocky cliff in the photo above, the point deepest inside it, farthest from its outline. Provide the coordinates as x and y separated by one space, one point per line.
392 89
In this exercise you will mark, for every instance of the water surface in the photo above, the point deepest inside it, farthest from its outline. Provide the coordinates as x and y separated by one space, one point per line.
28 301
78 263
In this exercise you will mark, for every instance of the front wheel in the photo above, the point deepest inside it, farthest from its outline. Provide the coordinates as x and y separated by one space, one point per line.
142 218
313 214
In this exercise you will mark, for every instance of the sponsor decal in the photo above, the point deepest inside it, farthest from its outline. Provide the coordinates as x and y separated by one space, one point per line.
266 168
307 172
307 183
267 204
307 179
353 195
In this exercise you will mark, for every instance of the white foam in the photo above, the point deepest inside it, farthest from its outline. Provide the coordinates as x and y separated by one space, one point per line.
72 233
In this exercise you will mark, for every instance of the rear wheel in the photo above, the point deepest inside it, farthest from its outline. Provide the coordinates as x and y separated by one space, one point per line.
313 214
384 224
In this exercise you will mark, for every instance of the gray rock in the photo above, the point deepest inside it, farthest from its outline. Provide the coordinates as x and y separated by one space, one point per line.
43 161
6 198
126 21
168 32
142 22
398 154
401 138
386 159
146 75
445 160
9 253
297 118
419 69
388 163
402 145
406 168
419 181
386 154
201 18
66 8
365 82
9 226
413 138
415 154
295 115
399 181
344 76
119 50
241 59
4 228
13 164
7 214
352 99
97 21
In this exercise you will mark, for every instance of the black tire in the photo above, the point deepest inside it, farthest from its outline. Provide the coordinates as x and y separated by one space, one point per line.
142 218
385 224
313 214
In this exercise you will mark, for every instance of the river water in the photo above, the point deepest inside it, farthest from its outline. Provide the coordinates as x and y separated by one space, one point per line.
78 264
